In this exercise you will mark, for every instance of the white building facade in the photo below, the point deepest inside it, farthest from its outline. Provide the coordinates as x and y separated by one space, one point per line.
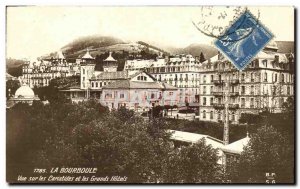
265 84
181 71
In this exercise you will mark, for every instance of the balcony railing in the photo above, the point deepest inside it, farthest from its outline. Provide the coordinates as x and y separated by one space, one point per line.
234 93
217 93
218 106
234 81
218 82
233 106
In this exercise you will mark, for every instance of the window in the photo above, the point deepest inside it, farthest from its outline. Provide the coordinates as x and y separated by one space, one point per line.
243 102
252 103
108 95
93 84
211 115
83 71
282 78
233 117
204 114
211 101
211 78
265 62
243 77
100 84
275 79
266 77
252 89
288 90
121 95
211 89
96 84
204 101
204 89
252 77
170 93
152 95
219 116
204 79
243 90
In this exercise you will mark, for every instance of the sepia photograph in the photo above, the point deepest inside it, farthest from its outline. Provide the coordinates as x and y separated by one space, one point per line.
150 95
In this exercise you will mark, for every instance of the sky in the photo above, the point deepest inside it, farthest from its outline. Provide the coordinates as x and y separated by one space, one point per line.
35 31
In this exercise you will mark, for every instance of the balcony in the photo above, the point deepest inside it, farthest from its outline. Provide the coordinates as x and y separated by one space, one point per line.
218 106
234 93
234 81
217 93
233 106
218 82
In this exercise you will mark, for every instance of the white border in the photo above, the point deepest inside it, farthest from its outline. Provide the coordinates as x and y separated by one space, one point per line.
3 3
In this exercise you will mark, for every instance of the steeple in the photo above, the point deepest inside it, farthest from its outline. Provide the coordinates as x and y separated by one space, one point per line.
87 58
110 64
88 55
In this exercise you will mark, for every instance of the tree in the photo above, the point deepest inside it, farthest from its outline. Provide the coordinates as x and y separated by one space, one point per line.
196 163
289 105
268 151
11 87
117 143
202 58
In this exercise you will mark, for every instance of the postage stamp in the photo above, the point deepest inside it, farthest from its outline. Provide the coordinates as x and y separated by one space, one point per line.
243 40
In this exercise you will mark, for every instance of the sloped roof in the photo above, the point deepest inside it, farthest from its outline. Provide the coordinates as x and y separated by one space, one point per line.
110 58
168 86
237 146
87 55
128 84
111 75
194 138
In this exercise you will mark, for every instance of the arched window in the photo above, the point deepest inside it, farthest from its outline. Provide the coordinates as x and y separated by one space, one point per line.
204 114
211 115
92 84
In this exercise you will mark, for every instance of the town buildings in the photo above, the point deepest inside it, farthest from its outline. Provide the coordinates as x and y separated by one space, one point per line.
135 89
181 71
264 85
39 74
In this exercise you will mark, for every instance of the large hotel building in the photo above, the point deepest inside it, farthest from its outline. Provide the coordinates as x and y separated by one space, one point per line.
265 84
210 86
181 71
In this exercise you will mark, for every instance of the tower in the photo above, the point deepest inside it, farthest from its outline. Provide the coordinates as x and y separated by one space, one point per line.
110 64
87 68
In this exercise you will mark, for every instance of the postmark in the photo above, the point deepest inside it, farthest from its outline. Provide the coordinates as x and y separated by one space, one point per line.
243 40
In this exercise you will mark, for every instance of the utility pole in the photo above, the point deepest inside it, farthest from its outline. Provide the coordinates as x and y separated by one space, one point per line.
226 114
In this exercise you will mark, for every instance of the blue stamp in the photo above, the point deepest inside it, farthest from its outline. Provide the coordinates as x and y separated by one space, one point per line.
243 40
